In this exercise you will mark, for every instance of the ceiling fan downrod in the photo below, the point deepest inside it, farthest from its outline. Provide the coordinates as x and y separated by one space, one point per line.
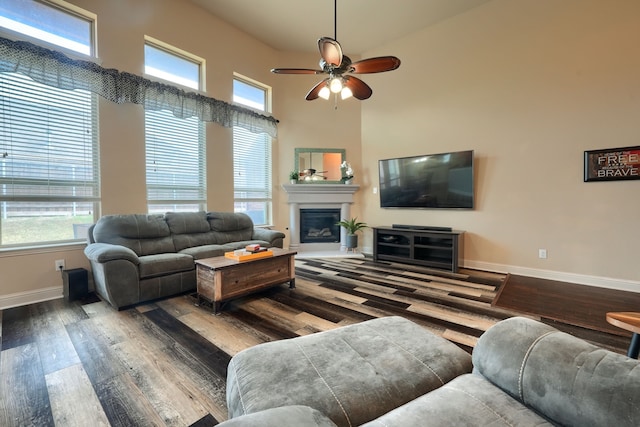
335 20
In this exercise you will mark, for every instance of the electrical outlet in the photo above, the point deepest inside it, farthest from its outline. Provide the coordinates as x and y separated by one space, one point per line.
542 253
59 264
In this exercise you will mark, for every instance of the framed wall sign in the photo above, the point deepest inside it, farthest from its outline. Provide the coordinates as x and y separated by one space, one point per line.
612 164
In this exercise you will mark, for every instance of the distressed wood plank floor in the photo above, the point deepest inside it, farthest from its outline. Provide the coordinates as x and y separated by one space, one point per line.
164 363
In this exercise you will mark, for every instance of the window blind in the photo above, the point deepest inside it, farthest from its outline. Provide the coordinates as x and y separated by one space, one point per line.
252 174
48 143
175 162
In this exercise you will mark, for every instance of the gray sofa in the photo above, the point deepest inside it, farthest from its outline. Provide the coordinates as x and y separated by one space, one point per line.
138 257
525 373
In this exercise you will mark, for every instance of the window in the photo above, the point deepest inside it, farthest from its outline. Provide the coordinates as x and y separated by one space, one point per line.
65 26
49 177
252 157
175 148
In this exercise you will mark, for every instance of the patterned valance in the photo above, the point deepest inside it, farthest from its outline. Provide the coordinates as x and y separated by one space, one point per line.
55 69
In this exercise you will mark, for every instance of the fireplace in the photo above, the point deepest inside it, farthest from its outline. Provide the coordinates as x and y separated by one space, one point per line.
319 225
323 205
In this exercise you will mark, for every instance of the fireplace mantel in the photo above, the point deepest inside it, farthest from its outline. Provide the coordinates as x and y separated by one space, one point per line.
318 196
308 192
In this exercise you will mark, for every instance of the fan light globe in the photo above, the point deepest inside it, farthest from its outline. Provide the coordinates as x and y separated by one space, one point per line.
335 85
346 93
324 93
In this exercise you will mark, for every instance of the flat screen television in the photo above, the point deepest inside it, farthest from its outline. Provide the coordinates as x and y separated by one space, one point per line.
435 181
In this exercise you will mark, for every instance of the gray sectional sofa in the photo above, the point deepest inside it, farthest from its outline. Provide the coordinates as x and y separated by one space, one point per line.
139 257
391 373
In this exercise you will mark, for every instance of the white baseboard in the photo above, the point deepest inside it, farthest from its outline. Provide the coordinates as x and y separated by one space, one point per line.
30 297
581 279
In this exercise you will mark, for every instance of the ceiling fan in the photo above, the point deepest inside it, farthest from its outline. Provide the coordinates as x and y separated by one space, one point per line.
340 69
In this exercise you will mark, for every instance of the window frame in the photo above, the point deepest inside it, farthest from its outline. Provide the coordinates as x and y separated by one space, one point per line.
174 204
71 10
29 89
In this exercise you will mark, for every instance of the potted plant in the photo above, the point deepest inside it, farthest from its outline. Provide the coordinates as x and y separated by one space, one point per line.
293 176
352 226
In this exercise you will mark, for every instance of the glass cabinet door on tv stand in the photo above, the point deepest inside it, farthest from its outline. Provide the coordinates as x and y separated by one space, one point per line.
435 249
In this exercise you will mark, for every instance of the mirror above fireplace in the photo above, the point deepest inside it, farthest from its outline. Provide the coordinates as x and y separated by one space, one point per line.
319 165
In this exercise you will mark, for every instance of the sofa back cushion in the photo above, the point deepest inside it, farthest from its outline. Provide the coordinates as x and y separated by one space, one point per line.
564 378
143 234
190 229
230 226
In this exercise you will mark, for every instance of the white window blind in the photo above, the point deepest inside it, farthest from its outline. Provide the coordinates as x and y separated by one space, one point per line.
175 162
175 148
48 161
252 159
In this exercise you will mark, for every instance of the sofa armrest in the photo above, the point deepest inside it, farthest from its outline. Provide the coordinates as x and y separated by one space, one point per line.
103 252
275 238
568 380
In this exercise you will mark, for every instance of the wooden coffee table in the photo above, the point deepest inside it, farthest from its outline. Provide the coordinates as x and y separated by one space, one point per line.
220 279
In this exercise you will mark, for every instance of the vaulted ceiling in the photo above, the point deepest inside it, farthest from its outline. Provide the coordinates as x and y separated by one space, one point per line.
296 25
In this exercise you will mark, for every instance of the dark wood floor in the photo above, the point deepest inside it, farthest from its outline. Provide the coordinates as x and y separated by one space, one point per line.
578 305
164 363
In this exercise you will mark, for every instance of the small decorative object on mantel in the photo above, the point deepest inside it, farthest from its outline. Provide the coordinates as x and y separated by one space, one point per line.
612 164
293 176
347 172
352 226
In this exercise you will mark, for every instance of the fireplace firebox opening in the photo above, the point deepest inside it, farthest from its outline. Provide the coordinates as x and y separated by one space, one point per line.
319 225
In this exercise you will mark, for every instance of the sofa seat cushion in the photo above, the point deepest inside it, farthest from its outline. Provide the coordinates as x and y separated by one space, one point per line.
296 415
352 374
162 264
469 400
209 251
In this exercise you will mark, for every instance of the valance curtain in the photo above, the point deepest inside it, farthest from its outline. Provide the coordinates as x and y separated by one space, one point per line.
55 69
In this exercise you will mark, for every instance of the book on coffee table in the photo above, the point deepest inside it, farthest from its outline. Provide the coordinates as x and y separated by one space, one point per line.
247 256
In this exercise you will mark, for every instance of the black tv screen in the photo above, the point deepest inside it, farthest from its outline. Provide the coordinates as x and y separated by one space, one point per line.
430 181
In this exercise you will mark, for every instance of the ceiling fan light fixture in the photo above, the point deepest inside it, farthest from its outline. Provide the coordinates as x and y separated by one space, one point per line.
325 92
346 93
335 85
339 68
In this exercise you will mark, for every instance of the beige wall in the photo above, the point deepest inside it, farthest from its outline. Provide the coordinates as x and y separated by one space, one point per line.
29 275
529 85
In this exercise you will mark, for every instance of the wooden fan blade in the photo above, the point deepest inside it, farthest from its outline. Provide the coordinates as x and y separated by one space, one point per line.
360 89
375 65
330 51
295 71
314 92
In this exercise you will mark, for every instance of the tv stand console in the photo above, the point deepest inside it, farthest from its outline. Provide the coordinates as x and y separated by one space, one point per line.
425 246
